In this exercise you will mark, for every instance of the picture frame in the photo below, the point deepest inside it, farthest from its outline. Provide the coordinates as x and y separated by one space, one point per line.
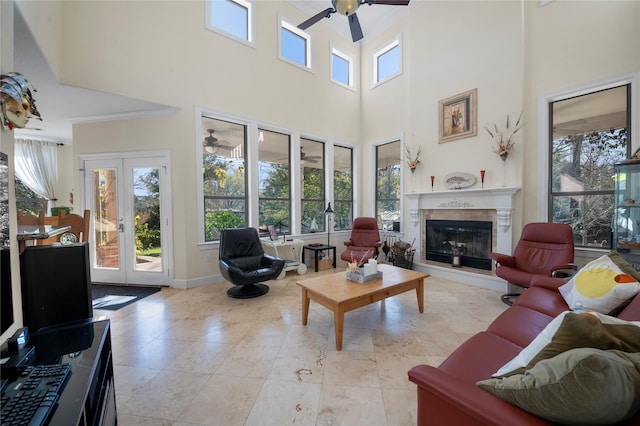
457 116
272 233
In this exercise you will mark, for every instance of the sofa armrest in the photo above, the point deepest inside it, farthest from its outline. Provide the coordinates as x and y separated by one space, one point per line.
503 259
446 400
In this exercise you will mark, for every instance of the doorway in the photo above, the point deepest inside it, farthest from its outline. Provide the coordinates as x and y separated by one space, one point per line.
129 199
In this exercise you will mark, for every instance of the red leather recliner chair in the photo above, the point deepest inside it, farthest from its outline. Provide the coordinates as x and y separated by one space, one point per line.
544 250
364 241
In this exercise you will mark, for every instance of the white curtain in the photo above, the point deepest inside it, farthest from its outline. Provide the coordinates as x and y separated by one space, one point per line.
36 164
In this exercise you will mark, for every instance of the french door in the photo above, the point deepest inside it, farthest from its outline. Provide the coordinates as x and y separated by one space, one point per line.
130 234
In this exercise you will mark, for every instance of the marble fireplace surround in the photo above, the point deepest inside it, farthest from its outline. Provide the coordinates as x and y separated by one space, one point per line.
495 204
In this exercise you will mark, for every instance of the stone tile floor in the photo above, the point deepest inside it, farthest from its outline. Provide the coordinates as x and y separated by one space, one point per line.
198 357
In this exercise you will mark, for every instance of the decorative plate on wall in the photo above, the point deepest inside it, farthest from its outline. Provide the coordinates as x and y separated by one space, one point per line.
459 180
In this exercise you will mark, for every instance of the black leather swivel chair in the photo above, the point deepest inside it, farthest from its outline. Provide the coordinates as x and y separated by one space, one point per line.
244 263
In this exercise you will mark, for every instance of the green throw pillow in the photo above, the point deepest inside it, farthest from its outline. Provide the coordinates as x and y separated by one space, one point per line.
579 386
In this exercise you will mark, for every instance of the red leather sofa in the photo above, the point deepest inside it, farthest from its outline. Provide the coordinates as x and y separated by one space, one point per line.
448 395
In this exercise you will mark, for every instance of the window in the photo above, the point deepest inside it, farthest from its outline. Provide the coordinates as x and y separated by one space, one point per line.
388 183
224 176
274 180
231 18
313 183
27 200
342 187
588 136
387 62
341 68
294 45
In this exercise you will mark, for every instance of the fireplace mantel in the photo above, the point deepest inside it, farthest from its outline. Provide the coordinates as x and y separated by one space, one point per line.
499 199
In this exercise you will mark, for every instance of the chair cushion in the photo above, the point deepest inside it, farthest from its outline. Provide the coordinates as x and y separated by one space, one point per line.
579 386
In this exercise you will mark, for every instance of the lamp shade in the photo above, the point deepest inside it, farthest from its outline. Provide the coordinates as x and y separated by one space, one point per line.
346 7
328 210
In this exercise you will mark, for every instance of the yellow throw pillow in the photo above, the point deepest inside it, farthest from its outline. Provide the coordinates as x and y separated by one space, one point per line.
601 286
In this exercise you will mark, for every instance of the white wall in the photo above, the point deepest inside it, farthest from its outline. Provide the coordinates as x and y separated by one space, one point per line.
160 52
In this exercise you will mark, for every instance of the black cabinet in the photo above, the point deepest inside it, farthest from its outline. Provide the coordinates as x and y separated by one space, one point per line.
56 285
88 397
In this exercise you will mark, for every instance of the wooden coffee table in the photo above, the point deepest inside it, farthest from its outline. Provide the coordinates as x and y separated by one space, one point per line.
340 295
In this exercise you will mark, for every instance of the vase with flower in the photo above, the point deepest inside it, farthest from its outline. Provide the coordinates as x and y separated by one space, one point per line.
412 162
504 140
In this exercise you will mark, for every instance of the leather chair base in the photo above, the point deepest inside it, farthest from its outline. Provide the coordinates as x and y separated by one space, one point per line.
247 291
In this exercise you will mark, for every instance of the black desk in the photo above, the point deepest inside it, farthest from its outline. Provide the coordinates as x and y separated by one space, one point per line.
89 395
316 249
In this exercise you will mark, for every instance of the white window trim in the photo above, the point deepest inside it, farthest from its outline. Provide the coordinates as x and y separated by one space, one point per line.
250 24
374 166
334 51
282 23
395 42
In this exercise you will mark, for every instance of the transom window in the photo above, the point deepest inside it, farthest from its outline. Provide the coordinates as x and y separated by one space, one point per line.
341 68
294 45
589 136
387 61
231 18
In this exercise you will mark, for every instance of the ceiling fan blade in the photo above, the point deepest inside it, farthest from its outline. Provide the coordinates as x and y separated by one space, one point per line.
354 25
315 18
389 2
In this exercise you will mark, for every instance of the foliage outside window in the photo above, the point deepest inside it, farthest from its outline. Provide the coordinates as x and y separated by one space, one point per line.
28 201
388 183
294 45
582 164
313 182
224 176
342 187
274 177
231 17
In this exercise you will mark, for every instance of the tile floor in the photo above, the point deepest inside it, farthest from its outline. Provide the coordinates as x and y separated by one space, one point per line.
198 357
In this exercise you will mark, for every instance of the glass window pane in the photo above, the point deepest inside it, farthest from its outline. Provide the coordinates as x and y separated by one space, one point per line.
224 175
146 202
230 17
274 176
342 187
340 70
388 183
294 47
588 215
312 172
388 63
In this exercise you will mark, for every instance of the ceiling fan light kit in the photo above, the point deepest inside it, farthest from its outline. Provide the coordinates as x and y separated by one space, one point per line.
348 8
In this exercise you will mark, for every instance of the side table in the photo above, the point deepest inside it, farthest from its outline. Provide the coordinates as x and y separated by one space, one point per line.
290 251
317 249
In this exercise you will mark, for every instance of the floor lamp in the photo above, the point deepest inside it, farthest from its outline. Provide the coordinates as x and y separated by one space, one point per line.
328 212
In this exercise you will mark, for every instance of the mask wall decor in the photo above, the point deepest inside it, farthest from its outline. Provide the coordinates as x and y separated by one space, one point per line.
16 101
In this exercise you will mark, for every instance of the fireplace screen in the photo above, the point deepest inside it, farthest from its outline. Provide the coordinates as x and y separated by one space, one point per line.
471 240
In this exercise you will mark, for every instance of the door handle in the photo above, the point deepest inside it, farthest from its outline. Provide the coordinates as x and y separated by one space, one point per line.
121 225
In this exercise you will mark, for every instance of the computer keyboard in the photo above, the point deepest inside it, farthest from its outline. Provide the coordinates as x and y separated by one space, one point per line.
32 396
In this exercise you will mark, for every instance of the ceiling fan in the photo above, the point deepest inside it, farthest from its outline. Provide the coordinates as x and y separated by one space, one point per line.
348 8
211 145
309 158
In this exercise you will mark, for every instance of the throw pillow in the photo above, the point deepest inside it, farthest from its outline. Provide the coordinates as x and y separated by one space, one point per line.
601 285
571 330
580 386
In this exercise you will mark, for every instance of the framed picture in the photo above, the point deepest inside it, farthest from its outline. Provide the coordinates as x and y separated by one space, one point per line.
457 117
272 232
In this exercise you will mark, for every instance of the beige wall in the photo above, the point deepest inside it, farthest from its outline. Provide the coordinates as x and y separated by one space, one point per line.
160 52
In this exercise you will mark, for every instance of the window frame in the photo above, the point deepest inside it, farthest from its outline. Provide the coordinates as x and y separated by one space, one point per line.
283 24
247 4
333 52
544 132
351 200
400 198
380 52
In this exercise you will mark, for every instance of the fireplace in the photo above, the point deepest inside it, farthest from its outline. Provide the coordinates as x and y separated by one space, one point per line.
469 239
